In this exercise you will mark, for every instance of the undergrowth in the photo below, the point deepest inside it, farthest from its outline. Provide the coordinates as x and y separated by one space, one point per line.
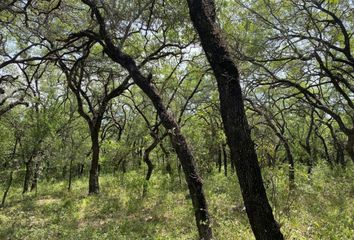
321 207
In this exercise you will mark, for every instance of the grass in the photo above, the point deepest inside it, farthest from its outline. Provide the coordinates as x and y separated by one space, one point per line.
320 208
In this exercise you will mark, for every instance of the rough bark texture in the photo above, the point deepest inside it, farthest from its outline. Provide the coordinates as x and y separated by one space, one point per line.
264 226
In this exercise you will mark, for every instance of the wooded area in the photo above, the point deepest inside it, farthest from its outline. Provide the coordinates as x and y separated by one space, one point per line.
163 119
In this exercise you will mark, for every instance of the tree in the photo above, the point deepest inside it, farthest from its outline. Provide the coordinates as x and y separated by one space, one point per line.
83 83
179 143
203 15
312 55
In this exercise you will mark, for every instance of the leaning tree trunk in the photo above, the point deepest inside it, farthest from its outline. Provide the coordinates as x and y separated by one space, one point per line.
179 143
264 226
9 183
94 187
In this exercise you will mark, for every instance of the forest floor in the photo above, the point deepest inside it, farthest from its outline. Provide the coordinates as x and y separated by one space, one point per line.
320 208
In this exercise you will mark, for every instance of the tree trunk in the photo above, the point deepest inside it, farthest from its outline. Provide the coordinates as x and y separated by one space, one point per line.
290 161
264 226
94 187
35 177
225 159
28 175
340 154
350 145
7 189
219 163
326 153
70 172
80 169
179 143
149 164
11 174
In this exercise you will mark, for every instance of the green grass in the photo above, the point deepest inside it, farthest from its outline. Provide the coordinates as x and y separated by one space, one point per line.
320 208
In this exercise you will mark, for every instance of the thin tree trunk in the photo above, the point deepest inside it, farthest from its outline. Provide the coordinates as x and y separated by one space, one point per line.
264 226
11 174
94 187
150 165
9 183
323 141
70 172
225 159
290 161
219 162
35 177
28 175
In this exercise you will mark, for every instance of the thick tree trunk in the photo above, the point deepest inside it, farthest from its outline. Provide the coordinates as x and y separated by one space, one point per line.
94 187
264 226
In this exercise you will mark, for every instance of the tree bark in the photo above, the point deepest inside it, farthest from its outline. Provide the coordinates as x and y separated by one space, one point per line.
219 163
150 165
70 171
290 161
350 145
28 175
264 226
94 187
225 159
35 177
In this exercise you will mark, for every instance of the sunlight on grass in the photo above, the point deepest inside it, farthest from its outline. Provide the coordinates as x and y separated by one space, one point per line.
321 208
